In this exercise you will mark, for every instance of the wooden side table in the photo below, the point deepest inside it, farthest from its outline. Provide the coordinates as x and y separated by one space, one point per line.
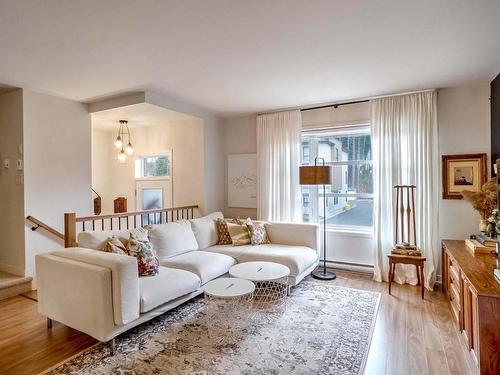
418 262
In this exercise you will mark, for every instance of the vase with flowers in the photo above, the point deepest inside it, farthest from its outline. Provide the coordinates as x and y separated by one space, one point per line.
484 201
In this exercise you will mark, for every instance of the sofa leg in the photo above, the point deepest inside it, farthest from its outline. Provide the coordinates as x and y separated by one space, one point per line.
288 289
49 323
112 344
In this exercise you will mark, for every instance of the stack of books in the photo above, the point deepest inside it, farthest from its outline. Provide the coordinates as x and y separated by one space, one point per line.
406 249
481 244
486 241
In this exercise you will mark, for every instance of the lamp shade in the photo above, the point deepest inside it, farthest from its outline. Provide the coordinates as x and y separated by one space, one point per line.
316 175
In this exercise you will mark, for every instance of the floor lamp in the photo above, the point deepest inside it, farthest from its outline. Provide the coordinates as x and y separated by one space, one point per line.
319 175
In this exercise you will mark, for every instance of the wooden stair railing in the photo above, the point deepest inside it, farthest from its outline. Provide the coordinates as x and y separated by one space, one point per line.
48 228
125 220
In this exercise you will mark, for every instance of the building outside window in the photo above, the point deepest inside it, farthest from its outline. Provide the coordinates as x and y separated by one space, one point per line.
349 199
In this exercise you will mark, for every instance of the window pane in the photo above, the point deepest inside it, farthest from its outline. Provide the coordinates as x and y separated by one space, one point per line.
152 199
138 168
337 147
156 166
305 150
354 179
348 211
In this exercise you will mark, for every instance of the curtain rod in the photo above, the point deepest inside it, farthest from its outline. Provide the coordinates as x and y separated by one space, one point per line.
334 105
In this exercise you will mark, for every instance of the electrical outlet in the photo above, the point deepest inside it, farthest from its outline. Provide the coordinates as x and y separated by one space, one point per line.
6 163
19 164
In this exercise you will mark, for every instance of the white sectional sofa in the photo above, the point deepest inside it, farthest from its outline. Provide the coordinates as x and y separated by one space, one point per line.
101 294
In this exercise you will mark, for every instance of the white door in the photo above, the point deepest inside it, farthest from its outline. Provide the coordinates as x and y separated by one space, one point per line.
153 195
153 185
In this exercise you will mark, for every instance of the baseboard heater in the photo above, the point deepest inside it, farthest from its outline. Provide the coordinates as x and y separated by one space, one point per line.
348 266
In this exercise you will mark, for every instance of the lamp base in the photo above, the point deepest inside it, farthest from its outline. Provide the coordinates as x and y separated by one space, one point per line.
320 275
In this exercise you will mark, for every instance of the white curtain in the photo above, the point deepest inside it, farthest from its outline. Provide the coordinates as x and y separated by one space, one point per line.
278 158
405 151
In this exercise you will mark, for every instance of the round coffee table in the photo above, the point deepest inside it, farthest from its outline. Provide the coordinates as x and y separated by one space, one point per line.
229 301
229 289
271 281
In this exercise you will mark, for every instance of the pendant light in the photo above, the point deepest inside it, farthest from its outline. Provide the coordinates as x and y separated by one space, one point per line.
123 131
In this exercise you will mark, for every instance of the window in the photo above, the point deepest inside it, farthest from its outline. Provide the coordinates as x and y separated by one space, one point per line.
152 167
349 200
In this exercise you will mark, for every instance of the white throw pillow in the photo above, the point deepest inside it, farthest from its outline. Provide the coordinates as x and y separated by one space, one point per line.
171 239
205 229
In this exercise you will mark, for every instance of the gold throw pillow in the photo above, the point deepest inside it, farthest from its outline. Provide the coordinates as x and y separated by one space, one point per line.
114 245
239 234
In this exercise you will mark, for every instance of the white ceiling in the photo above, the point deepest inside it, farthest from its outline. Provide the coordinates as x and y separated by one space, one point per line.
137 115
244 56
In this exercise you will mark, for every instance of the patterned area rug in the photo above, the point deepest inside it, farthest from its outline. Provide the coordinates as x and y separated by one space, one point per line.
323 329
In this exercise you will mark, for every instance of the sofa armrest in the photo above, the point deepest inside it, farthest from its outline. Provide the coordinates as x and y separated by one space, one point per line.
303 234
124 279
76 294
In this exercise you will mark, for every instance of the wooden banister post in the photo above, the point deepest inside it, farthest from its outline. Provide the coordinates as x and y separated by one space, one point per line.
69 229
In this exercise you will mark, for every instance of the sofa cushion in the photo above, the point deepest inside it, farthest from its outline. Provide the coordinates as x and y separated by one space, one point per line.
207 265
205 229
171 239
167 285
297 258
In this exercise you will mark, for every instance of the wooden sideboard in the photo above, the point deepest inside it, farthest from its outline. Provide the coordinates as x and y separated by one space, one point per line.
474 295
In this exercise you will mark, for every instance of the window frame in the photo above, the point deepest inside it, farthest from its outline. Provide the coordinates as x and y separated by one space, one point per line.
329 130
167 154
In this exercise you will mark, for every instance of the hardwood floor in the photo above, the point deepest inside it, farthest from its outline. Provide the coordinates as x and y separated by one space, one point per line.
411 336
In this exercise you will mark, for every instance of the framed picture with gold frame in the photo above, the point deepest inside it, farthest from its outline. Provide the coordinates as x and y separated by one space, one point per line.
463 172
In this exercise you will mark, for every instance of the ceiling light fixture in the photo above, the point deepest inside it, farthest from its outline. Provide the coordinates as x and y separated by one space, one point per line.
123 131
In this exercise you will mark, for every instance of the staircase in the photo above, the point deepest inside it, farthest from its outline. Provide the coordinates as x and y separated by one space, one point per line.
13 285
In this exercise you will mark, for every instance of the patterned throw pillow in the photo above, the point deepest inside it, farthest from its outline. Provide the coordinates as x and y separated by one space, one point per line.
239 234
224 236
114 245
258 234
147 263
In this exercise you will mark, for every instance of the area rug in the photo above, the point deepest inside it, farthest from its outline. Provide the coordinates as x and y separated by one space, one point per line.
323 329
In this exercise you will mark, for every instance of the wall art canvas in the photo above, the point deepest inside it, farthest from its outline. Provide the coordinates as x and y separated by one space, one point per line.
463 172
242 180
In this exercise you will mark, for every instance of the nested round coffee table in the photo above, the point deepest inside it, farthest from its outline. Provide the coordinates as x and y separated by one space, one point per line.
230 290
271 281
229 301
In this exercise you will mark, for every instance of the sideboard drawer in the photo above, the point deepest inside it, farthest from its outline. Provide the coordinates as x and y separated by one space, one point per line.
454 274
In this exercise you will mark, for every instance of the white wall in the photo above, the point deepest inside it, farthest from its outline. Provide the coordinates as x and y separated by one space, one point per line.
11 185
464 127
213 150
240 137
112 179
57 167
102 152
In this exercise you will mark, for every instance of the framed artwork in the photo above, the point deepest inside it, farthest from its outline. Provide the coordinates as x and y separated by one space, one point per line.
242 180
463 172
